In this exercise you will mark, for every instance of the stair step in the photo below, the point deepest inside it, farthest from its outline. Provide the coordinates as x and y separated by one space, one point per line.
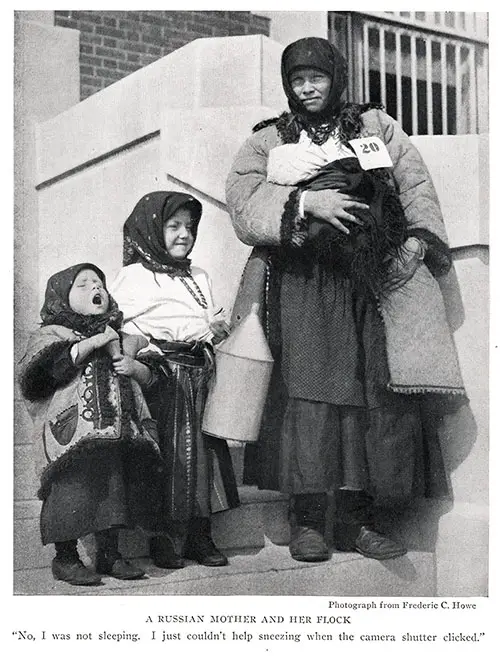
268 571
261 517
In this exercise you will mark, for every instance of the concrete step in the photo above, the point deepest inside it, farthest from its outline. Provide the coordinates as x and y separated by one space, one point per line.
261 513
261 518
266 571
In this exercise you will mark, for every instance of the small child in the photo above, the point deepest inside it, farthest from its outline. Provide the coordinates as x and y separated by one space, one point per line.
167 300
92 427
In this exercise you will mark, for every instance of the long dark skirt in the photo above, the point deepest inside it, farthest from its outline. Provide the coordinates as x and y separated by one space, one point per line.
199 478
106 488
330 420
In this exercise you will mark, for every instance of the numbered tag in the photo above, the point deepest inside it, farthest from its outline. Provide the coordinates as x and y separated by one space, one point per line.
371 152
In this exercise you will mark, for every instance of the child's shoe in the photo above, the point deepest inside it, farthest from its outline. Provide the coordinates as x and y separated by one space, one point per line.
199 545
73 571
110 561
120 568
68 567
163 553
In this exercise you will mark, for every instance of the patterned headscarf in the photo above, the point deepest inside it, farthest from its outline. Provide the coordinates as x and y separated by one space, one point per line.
143 239
57 311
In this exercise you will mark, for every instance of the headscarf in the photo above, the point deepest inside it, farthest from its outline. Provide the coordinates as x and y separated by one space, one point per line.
143 239
57 311
313 52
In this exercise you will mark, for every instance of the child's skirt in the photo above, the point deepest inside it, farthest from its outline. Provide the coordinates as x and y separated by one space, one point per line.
199 476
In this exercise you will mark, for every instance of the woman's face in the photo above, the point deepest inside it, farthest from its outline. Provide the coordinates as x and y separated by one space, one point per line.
87 294
312 87
178 234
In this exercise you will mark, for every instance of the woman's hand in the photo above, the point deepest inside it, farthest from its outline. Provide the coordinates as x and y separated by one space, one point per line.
334 207
403 267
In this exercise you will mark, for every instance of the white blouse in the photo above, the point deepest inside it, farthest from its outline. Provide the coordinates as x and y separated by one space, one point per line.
158 306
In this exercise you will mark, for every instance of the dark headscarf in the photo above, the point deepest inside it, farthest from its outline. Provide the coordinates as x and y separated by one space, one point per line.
313 52
143 239
57 311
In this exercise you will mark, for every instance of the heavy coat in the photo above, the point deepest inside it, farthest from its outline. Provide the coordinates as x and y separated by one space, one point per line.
420 349
68 421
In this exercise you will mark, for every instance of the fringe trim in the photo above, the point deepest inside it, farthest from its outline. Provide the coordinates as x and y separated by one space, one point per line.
265 123
426 389
348 121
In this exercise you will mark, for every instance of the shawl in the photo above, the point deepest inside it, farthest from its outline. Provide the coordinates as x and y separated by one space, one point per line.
143 240
364 255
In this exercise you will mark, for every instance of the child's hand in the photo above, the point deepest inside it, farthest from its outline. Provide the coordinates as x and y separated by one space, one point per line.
220 330
124 365
109 335
132 344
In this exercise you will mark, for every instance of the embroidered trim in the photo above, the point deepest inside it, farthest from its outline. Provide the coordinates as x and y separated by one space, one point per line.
196 293
97 394
143 446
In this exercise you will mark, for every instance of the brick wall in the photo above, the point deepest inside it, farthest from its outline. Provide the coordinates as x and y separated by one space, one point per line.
114 44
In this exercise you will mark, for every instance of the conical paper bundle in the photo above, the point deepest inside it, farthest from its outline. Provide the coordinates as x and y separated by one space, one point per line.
238 393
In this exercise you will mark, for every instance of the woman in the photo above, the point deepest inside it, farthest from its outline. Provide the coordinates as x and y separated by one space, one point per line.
346 247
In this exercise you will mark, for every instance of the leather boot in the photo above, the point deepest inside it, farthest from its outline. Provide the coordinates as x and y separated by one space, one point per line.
355 529
199 544
163 553
307 522
67 566
110 561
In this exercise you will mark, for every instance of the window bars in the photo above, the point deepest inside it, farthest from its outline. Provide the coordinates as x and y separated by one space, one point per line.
427 68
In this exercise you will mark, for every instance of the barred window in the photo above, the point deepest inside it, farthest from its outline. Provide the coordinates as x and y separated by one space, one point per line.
429 69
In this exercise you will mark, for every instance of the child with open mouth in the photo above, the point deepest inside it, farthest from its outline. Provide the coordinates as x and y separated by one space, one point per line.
94 434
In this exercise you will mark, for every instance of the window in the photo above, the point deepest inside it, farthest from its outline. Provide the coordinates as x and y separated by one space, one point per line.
429 69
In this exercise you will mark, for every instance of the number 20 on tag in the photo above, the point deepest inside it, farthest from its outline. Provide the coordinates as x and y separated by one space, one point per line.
371 152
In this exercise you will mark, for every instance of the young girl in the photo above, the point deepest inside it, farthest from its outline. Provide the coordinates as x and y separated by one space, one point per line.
92 427
167 300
